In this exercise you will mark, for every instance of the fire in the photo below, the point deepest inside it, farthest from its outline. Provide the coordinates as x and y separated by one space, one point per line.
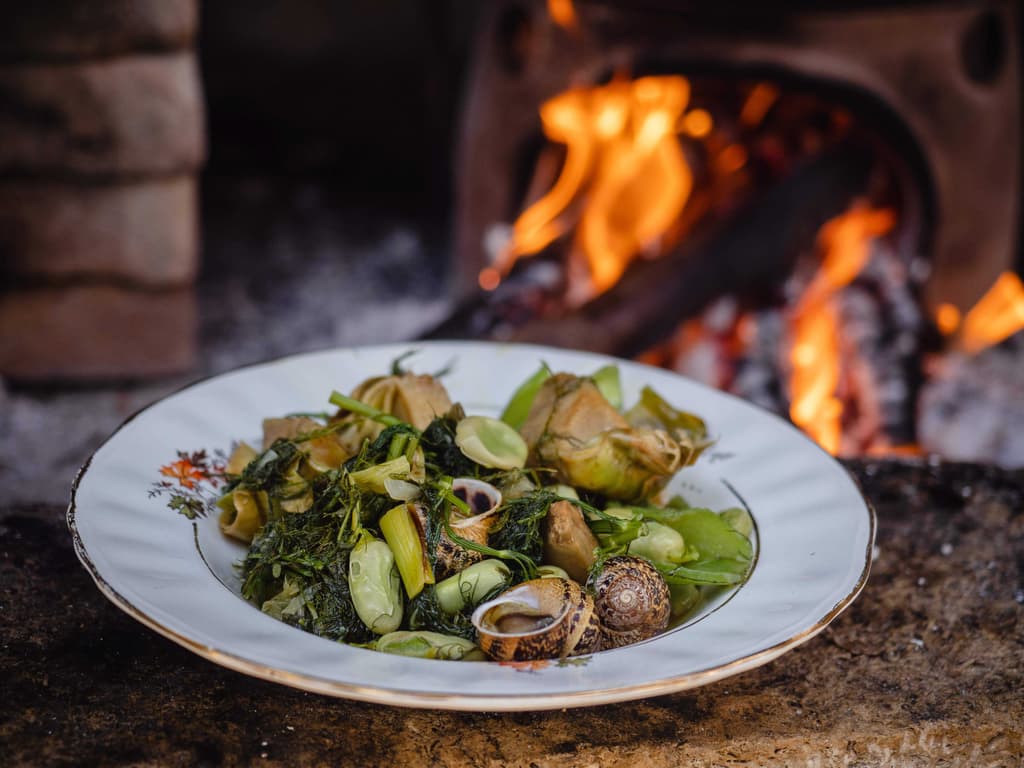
623 184
998 315
947 318
815 354
563 14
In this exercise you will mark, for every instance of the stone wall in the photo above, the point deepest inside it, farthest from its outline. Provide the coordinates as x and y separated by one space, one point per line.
101 139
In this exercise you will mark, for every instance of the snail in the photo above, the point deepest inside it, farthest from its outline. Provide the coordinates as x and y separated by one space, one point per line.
483 499
632 599
539 619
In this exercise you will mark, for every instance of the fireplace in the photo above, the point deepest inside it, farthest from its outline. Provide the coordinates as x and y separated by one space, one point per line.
815 210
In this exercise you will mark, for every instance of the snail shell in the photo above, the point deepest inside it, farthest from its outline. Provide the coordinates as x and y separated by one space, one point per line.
483 500
538 619
632 599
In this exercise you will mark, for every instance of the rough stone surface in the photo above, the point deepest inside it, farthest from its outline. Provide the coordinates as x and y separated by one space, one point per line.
96 332
124 116
925 669
141 232
76 29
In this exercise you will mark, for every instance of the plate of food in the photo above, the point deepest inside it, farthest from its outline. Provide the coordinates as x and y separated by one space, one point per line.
470 525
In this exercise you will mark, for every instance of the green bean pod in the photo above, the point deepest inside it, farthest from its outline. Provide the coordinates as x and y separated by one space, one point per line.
471 585
375 585
429 645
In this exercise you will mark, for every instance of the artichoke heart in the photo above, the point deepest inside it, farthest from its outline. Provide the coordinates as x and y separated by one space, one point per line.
324 452
416 399
573 429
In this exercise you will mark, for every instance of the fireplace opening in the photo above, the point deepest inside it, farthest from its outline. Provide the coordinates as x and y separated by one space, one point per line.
760 207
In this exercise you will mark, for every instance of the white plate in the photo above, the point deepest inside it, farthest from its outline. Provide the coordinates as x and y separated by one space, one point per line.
814 538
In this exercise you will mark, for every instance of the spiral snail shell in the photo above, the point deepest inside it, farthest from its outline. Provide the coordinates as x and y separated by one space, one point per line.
632 600
539 619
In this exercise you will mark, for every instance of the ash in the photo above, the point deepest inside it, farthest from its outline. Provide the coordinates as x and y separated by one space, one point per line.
284 271
972 408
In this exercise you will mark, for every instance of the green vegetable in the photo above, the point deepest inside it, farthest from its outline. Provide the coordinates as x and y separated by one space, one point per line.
429 645
722 572
376 588
702 529
518 527
471 585
564 491
403 537
616 528
443 455
739 520
363 409
491 443
628 464
518 407
609 384
685 598
551 572
426 613
372 478
689 431
286 604
659 544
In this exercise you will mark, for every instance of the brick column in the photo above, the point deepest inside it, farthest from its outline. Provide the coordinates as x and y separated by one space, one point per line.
101 140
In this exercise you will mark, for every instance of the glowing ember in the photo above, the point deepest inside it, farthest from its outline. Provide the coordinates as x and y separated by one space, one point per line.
947 318
998 315
623 184
563 13
815 353
760 99
697 123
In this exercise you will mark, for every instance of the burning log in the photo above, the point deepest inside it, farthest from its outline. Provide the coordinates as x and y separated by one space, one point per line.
745 253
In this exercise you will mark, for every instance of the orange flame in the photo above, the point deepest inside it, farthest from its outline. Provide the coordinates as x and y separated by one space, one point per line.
815 353
998 315
625 164
947 318
563 14
760 99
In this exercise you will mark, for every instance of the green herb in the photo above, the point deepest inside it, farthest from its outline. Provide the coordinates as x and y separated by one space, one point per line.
425 612
443 455
519 525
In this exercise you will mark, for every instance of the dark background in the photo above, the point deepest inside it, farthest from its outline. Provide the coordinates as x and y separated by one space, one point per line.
360 96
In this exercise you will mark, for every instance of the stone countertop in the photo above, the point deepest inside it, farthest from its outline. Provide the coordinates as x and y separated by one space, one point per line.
926 668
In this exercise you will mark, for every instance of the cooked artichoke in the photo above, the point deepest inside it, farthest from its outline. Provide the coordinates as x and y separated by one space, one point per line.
324 452
568 542
573 429
416 399
243 513
688 430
